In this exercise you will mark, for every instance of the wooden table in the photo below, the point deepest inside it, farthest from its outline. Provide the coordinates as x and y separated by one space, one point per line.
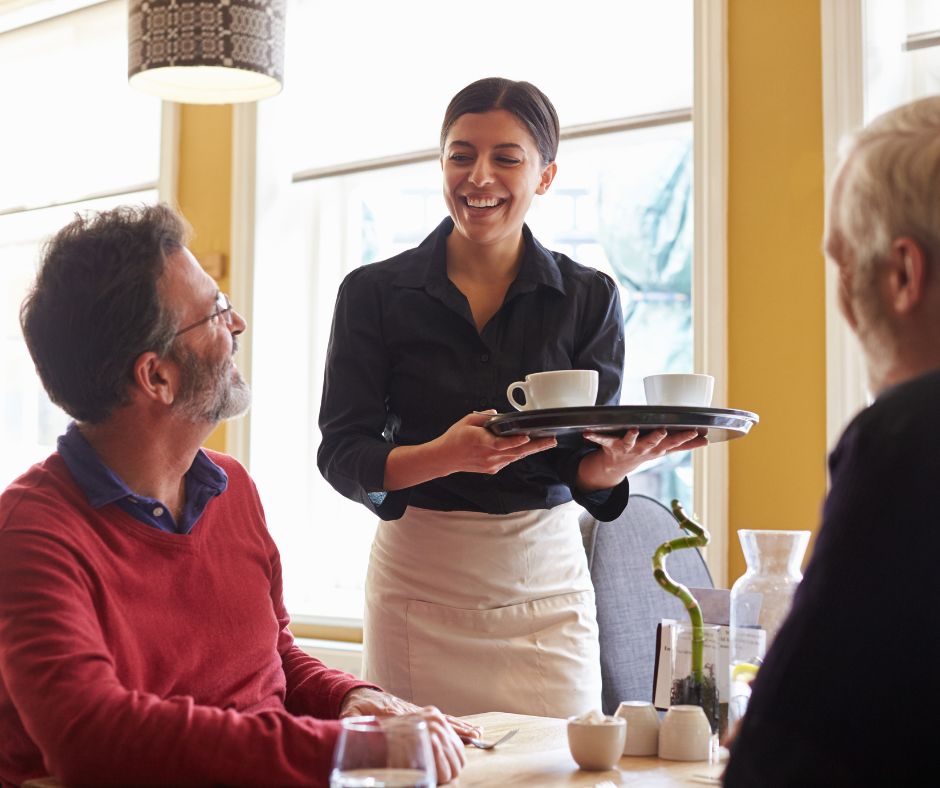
538 756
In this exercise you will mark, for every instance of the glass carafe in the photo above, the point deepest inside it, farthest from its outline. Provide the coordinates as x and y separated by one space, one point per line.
760 601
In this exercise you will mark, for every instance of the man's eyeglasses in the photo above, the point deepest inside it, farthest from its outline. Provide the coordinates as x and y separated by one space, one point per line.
223 309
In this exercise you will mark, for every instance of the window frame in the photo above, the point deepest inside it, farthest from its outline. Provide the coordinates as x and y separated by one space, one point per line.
258 170
843 111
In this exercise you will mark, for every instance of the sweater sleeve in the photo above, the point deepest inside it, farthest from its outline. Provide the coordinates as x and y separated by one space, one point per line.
91 729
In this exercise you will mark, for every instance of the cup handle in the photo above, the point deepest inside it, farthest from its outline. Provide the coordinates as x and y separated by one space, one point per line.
512 400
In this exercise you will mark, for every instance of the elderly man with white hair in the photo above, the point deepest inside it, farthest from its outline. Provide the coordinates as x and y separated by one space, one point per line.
842 696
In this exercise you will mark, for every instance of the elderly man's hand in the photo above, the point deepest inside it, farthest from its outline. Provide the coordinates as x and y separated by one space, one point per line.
444 730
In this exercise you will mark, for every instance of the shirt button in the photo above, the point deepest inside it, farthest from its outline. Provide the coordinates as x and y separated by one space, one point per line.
485 357
158 511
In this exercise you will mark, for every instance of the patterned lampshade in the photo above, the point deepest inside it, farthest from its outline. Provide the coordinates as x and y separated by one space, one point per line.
206 51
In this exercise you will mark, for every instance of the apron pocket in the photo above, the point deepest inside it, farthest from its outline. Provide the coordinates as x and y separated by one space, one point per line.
536 657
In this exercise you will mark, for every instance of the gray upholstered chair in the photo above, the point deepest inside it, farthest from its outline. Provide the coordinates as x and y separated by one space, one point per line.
629 601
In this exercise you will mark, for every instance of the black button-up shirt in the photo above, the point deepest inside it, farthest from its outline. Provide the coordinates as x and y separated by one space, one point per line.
405 362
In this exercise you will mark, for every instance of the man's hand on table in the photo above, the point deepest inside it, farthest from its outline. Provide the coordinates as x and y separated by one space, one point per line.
445 731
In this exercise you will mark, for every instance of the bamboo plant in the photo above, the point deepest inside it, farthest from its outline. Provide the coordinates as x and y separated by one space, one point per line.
698 688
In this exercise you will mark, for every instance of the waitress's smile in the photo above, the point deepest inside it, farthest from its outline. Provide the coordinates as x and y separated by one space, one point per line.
483 202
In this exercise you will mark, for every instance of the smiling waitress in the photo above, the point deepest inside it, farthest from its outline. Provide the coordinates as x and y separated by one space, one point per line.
478 595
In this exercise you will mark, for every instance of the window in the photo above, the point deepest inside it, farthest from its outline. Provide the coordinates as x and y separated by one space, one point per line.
901 53
348 174
66 148
876 56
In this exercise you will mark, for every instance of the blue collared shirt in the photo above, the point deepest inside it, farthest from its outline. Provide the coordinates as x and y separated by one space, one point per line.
101 485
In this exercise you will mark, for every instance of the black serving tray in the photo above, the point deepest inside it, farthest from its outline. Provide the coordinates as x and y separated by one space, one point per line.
719 424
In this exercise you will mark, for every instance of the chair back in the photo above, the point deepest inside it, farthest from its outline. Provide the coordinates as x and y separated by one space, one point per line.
630 603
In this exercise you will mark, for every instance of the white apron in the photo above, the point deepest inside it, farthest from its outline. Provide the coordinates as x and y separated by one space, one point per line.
476 612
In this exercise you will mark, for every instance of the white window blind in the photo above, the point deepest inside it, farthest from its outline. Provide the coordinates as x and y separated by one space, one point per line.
370 79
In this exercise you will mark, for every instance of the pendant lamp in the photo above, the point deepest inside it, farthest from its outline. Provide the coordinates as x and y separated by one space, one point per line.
206 51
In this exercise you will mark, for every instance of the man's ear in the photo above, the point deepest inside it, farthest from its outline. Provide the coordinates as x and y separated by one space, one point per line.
156 378
548 175
907 274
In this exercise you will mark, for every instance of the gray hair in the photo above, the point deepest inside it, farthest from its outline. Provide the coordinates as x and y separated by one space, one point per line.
889 183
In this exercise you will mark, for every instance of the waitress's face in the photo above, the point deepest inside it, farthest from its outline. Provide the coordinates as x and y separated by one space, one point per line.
492 170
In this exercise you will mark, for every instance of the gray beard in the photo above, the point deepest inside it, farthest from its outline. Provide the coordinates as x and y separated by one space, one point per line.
209 395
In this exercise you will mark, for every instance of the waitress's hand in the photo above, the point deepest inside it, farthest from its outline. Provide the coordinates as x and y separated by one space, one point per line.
604 469
465 446
469 446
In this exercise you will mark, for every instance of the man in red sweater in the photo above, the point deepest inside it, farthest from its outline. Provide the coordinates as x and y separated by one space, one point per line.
143 635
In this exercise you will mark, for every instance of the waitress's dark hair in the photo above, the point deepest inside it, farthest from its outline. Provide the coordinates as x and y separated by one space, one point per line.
529 104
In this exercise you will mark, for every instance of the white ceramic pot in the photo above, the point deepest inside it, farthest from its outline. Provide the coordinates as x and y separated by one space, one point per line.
642 727
685 734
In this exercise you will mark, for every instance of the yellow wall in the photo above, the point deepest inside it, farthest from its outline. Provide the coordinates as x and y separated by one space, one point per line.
776 322
204 191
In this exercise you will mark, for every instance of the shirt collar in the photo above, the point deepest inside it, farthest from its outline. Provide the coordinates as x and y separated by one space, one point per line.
426 266
102 486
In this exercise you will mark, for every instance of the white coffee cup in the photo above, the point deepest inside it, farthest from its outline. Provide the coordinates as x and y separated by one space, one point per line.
685 734
684 389
642 727
563 388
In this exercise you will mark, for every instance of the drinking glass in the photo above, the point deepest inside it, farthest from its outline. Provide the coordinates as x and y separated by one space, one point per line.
387 752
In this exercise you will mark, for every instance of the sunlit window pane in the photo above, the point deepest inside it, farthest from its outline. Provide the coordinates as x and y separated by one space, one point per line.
893 74
621 203
71 125
29 422
71 129
383 89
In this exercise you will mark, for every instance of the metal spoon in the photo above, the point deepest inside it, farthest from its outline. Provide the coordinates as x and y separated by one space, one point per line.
489 745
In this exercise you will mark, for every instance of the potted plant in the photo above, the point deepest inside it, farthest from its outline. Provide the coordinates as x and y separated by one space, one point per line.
700 686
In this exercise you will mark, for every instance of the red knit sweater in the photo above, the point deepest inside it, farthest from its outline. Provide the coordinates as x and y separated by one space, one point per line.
129 655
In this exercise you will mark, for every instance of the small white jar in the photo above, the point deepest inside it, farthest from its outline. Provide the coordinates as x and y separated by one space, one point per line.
685 734
642 727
